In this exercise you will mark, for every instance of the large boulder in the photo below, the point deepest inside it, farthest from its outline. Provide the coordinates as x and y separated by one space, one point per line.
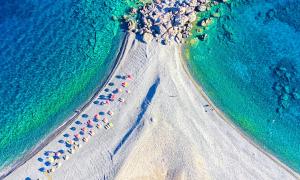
201 8
192 17
147 37
131 24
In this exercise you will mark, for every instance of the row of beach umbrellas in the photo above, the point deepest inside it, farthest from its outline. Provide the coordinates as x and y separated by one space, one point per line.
54 159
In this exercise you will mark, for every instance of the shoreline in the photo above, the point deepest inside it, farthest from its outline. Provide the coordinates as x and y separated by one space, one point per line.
119 62
31 153
231 123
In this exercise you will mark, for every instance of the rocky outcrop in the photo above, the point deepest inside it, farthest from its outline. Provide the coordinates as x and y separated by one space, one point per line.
168 20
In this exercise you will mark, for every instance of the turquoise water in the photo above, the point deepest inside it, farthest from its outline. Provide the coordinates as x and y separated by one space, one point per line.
249 66
53 54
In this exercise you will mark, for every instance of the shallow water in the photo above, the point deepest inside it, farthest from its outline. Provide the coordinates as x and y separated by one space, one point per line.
53 54
237 67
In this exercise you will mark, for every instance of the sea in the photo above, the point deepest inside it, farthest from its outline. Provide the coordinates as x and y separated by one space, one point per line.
249 66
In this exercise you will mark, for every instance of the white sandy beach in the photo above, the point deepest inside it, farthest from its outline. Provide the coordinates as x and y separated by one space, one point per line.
161 131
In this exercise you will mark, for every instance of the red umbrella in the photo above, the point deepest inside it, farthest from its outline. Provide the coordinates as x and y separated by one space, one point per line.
129 77
77 136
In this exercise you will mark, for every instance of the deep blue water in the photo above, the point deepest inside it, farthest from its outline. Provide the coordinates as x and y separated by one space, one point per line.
249 66
53 55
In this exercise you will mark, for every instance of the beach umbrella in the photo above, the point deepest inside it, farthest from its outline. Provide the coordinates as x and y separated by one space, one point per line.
40 159
110 113
47 163
90 123
97 116
109 125
124 84
75 143
119 90
106 126
58 153
77 136
105 120
129 77
66 157
92 133
70 151
81 133
85 139
98 126
121 100
68 142
42 169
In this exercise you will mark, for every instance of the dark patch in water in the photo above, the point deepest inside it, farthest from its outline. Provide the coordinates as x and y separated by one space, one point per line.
289 13
15 8
285 86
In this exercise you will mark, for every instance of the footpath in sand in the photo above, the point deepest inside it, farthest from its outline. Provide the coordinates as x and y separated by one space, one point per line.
163 130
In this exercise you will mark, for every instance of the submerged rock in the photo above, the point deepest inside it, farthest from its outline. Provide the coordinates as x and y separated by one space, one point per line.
114 18
216 15
296 95
277 87
203 37
282 69
285 97
285 104
279 110
287 89
288 76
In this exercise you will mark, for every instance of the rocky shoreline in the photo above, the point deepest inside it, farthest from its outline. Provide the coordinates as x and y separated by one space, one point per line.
169 21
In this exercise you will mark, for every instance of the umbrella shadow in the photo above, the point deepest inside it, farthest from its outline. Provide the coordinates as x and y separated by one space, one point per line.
144 107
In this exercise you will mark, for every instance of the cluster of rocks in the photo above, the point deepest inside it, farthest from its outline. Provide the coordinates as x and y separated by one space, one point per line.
285 87
167 20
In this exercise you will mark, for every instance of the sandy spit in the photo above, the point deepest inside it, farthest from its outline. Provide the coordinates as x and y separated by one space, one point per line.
162 131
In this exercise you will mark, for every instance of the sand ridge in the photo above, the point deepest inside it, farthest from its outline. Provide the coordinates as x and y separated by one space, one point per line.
162 131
